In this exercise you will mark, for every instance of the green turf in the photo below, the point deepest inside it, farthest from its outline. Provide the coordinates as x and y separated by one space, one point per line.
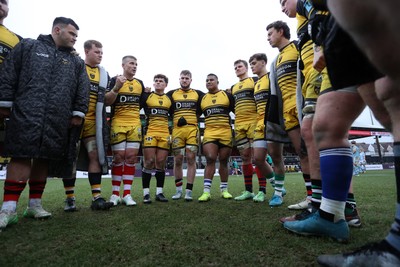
217 233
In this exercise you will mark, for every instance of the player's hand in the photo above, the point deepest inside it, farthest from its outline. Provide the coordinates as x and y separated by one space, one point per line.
76 121
5 112
319 59
119 82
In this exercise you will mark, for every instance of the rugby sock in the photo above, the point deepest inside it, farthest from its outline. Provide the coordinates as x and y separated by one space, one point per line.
307 182
248 177
223 186
146 191
69 187
189 186
116 176
336 172
159 190
207 185
262 181
34 202
258 172
160 178
332 210
178 184
36 189
95 184
394 234
270 176
12 192
146 177
350 203
279 181
316 188
127 177
9 205
272 180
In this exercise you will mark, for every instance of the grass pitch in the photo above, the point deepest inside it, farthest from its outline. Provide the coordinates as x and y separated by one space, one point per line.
178 233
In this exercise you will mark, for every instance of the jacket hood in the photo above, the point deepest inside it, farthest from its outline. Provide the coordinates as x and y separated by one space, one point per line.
48 39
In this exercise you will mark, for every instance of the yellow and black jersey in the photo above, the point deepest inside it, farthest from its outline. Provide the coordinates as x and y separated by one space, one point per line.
7 42
185 103
157 109
216 108
261 95
245 105
94 78
286 73
126 108
304 11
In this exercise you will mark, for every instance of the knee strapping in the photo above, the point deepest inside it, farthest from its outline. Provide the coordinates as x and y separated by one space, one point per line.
91 145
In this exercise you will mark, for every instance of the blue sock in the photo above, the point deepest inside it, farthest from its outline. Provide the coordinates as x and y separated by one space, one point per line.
336 172
394 235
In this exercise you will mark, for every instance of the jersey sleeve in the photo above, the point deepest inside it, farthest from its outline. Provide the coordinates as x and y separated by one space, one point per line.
231 102
111 83
201 95
143 100
172 108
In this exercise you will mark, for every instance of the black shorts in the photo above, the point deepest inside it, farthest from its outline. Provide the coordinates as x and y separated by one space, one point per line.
347 65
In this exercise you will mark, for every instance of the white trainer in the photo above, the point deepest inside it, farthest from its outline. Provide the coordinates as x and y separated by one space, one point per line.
36 212
115 199
302 205
7 217
177 195
127 200
188 195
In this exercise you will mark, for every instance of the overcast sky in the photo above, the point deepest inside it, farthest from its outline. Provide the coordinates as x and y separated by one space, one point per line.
166 36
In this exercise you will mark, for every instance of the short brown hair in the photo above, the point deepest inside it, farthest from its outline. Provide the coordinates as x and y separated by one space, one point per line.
186 73
259 56
89 44
241 61
161 76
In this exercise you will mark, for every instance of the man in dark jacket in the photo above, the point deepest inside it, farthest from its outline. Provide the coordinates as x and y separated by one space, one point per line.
44 91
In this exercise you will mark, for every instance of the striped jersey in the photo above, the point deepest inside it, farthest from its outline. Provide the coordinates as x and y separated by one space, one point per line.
261 96
185 103
216 108
245 105
286 74
126 108
157 109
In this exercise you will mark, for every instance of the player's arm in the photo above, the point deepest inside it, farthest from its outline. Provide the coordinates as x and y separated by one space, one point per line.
198 108
112 92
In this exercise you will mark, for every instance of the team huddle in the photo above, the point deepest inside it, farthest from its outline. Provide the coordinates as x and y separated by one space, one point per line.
82 132
54 107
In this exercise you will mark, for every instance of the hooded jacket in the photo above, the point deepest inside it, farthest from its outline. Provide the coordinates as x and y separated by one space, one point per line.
44 87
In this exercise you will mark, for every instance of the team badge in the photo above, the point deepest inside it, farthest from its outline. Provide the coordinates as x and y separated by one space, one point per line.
160 102
185 96
214 101
92 76
130 88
